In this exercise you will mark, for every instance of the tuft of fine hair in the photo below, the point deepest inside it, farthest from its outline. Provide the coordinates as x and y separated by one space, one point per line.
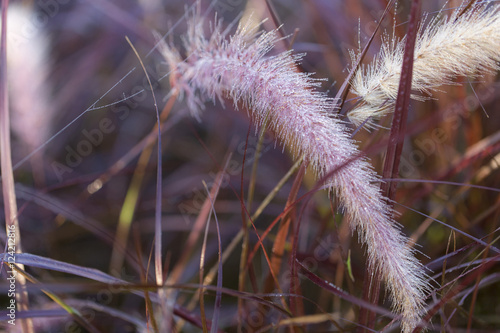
239 68
461 44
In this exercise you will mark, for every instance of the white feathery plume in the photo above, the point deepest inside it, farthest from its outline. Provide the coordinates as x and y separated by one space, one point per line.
29 62
238 68
462 44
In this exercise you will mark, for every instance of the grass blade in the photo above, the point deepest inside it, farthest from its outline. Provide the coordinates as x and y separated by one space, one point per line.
395 145
7 177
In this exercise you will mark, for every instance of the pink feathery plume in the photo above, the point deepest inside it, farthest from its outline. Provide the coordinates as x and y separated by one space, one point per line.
238 67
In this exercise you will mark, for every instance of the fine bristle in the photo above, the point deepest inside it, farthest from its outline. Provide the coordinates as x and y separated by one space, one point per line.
462 44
